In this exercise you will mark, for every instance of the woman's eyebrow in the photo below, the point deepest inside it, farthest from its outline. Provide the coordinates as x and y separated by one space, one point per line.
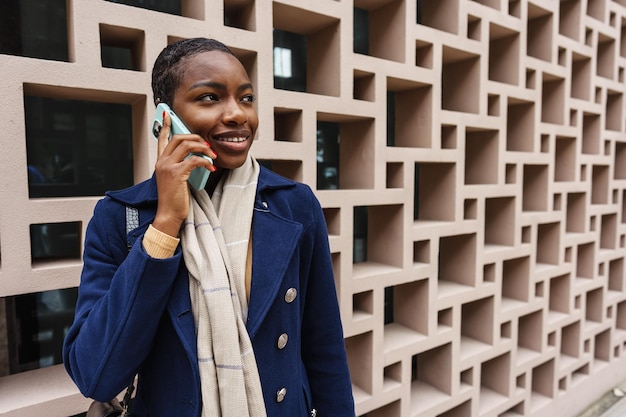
212 84
219 86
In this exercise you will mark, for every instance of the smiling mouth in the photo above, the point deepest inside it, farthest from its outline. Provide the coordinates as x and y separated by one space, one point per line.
233 140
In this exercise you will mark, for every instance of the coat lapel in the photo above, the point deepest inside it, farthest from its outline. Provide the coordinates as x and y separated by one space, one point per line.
274 240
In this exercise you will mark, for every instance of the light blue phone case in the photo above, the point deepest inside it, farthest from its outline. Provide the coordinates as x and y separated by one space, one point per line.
198 176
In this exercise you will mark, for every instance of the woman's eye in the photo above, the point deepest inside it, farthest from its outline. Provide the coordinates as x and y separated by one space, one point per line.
250 98
209 97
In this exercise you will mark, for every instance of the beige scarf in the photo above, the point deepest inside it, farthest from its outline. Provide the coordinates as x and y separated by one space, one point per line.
215 245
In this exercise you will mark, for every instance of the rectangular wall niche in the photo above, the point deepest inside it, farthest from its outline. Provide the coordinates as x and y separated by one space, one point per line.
457 262
504 55
435 188
306 50
460 81
481 156
500 221
409 114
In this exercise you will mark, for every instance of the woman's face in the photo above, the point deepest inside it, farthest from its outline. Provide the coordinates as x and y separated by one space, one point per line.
215 100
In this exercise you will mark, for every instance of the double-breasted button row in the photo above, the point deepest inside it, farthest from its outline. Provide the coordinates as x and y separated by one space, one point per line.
290 296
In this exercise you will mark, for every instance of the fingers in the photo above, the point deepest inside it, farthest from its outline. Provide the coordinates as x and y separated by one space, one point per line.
164 134
182 148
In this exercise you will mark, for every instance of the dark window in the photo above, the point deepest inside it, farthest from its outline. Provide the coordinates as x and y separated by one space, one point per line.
50 241
116 57
165 6
388 305
37 324
418 15
34 29
290 51
77 148
327 156
361 31
416 192
391 118
122 48
359 248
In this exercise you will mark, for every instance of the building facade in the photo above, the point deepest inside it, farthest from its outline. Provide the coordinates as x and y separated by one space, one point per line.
470 157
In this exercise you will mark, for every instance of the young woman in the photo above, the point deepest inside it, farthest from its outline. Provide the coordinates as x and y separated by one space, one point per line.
225 303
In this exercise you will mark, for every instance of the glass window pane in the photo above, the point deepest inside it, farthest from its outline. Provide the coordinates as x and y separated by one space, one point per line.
416 192
361 31
327 156
282 62
166 6
388 304
360 223
116 57
391 118
77 148
289 61
36 29
36 325
55 241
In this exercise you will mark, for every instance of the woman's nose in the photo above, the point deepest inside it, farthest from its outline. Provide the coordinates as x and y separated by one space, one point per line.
234 113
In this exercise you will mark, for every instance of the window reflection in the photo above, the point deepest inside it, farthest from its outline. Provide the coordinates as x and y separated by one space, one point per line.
290 51
282 62
55 241
36 325
77 148
361 31
116 57
391 118
35 29
360 223
327 156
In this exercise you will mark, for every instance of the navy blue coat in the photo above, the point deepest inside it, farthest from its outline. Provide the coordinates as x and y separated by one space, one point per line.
133 313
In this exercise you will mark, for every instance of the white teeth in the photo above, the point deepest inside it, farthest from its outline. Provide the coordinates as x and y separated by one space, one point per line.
237 140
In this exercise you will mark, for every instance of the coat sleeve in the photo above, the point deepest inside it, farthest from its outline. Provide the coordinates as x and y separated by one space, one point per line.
121 298
323 346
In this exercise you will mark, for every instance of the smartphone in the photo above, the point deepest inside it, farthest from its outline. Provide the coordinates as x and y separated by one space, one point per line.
198 176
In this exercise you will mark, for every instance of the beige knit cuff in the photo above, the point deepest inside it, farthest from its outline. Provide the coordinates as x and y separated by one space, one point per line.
158 244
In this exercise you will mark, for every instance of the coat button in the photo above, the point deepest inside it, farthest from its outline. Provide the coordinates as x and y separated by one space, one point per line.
282 340
314 413
280 394
291 294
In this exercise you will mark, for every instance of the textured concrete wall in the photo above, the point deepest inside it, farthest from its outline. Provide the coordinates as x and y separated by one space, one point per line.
502 293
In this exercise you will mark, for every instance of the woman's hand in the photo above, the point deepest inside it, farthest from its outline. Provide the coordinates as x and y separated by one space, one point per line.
172 171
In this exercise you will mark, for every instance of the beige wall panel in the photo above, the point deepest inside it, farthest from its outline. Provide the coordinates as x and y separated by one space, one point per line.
503 293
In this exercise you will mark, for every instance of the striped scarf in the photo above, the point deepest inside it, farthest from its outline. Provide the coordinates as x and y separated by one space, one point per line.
214 241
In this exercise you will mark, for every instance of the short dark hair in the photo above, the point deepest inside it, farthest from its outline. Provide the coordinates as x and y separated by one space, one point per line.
167 73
